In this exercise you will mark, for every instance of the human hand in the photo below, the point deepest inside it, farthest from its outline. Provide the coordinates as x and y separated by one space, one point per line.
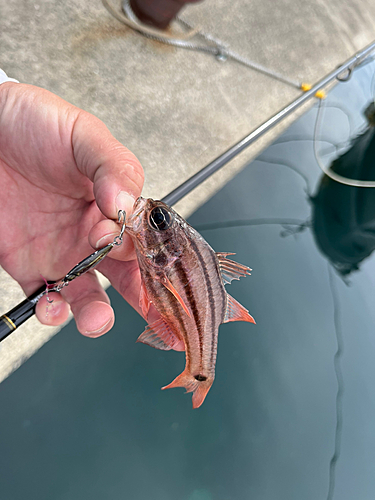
64 177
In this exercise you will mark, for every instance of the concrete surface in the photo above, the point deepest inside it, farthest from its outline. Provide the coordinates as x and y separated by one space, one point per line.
175 109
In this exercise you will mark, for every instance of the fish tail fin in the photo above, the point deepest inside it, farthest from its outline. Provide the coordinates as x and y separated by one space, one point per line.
200 393
199 387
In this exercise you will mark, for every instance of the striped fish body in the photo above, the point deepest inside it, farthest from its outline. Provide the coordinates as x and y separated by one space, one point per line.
184 280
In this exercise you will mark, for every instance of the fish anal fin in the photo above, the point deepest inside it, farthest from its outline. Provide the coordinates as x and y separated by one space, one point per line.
191 384
236 312
229 269
172 289
159 335
144 302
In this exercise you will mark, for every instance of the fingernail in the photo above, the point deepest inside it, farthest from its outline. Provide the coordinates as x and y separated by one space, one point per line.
55 306
104 240
96 333
125 202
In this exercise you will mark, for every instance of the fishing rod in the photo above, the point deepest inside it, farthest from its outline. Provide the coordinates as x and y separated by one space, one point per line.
23 311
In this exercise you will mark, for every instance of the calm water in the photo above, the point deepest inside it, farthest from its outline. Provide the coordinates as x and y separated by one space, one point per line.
291 413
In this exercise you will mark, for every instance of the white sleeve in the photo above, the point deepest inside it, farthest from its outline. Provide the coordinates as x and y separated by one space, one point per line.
4 78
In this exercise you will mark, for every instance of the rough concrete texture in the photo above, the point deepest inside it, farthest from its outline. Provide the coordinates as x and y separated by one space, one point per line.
175 109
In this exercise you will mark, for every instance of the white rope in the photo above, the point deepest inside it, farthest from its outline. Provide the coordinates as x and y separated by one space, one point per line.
210 44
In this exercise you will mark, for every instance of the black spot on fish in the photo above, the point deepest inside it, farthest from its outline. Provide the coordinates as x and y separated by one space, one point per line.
200 378
161 259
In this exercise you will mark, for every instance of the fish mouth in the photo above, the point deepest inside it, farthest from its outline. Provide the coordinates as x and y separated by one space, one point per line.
142 204
135 219
139 204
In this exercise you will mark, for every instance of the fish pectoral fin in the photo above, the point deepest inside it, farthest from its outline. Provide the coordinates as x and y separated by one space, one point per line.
229 269
159 335
144 302
236 312
191 384
168 285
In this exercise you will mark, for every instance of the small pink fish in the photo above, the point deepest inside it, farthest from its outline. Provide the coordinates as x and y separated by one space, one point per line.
184 280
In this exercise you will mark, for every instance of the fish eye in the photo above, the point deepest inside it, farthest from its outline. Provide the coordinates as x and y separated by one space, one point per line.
160 219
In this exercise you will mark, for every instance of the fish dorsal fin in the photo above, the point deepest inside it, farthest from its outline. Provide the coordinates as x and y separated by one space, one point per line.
229 269
172 289
144 301
236 312
159 335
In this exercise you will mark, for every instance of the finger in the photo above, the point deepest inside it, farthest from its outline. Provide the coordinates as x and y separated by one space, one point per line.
90 305
125 277
104 232
52 310
116 173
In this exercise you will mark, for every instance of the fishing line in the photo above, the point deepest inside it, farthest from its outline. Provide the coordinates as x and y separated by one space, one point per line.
334 146
326 169
299 139
340 145
302 138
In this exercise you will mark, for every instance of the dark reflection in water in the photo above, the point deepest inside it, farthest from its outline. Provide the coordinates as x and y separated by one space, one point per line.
343 219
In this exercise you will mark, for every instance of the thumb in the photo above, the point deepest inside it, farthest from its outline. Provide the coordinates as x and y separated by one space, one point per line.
116 173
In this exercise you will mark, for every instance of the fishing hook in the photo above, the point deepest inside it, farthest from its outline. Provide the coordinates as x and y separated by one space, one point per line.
118 239
92 260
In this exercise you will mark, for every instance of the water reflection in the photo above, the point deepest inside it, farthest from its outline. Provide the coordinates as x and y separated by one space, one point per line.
343 217
340 385
342 221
